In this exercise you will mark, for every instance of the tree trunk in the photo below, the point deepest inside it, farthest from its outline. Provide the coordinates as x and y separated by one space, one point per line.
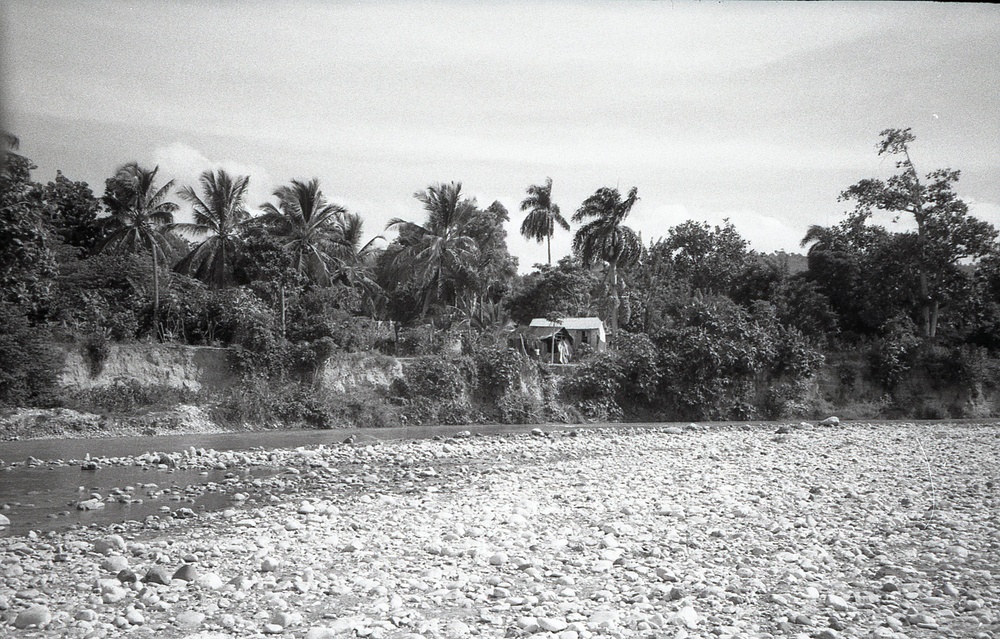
925 304
222 271
282 287
935 308
156 296
548 241
615 302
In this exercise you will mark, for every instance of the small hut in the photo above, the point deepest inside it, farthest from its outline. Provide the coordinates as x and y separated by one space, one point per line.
555 341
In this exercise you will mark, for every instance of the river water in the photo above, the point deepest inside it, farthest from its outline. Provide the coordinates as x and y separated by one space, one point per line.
43 498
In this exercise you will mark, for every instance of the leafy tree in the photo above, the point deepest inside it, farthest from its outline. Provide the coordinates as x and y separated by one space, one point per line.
710 259
221 213
564 290
105 293
30 363
605 238
27 264
489 280
308 227
140 219
543 215
946 233
269 271
71 211
841 259
431 255
712 355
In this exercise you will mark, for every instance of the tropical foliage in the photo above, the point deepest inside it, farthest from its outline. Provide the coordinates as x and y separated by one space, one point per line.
701 325
220 213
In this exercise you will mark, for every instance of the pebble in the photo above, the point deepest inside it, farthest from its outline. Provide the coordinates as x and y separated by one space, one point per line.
724 532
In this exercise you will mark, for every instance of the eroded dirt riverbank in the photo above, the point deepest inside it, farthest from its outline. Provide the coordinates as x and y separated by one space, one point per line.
854 531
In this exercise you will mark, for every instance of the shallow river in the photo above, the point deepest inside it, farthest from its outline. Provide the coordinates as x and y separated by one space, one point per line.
42 498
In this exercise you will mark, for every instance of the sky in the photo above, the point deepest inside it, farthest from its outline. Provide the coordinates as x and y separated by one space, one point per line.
756 112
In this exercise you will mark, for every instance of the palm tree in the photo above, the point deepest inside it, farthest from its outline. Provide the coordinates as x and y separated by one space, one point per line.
140 219
540 223
438 251
307 226
604 238
219 213
357 260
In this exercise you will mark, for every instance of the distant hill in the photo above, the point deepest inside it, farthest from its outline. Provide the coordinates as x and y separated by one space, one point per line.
794 262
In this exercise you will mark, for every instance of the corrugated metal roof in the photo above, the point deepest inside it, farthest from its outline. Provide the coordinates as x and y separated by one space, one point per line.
572 324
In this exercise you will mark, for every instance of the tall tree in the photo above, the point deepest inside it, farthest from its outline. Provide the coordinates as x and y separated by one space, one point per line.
945 234
357 260
71 211
540 223
140 216
603 237
430 255
220 213
308 227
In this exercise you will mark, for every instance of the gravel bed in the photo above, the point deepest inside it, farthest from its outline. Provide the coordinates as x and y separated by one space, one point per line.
819 533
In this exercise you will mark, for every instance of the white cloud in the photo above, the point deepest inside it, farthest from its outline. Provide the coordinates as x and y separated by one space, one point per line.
765 233
185 164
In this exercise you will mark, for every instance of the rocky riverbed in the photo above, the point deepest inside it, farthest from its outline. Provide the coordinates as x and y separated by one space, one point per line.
816 532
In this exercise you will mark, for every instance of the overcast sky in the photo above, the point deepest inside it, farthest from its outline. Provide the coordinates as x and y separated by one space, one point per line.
757 112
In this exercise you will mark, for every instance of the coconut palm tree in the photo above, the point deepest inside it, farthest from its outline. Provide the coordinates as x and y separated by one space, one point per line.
440 250
604 238
140 219
307 226
220 212
357 259
540 223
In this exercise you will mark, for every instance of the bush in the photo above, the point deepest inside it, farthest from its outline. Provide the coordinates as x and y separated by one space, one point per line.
30 365
96 348
892 355
434 377
435 390
594 387
129 398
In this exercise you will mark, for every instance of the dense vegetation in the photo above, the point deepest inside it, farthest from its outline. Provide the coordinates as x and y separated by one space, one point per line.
701 326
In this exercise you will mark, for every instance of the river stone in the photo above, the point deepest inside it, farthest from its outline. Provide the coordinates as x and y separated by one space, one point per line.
115 564
830 421
550 624
189 619
135 618
113 594
157 575
36 615
210 580
686 616
4 522
109 544
187 572
286 619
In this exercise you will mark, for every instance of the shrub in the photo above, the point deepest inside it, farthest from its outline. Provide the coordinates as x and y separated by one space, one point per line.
434 377
435 390
129 398
594 387
30 365
892 355
96 348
